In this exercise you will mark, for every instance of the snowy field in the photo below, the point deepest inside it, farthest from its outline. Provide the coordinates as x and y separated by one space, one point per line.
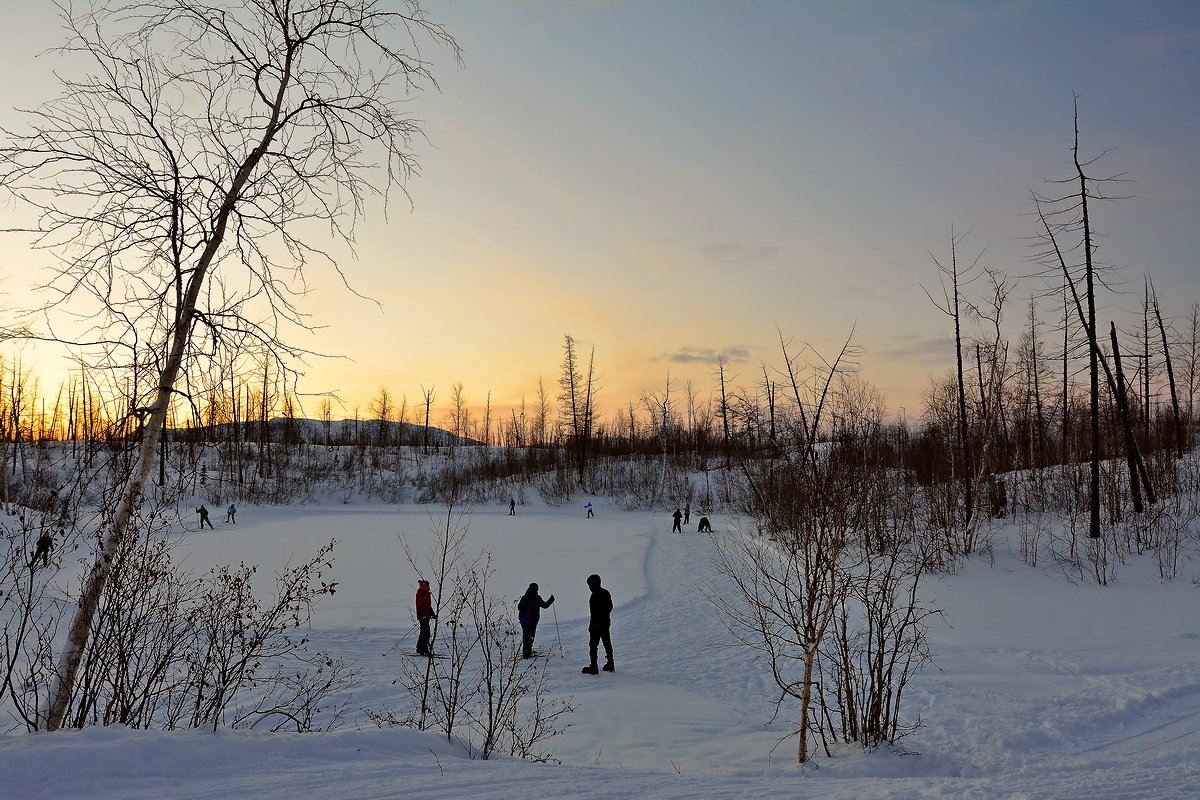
1040 688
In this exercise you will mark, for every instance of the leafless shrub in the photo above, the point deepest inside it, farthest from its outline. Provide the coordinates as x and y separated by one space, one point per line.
877 646
477 689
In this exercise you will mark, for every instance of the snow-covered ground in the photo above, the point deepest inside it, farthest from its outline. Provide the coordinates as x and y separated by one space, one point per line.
1041 688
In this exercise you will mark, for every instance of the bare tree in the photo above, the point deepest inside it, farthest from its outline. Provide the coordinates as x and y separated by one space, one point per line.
171 181
1177 426
1062 217
383 409
950 305
427 396
458 416
576 389
325 409
1191 363
541 414
787 590
721 377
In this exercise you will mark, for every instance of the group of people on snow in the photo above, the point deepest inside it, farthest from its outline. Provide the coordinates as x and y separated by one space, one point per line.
529 612
684 517
230 516
529 607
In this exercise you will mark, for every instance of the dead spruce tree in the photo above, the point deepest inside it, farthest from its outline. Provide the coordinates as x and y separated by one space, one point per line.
175 179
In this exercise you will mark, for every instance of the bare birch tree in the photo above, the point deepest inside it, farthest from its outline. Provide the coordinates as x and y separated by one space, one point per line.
175 180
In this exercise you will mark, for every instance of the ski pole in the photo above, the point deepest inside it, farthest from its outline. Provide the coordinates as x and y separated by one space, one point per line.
392 649
558 633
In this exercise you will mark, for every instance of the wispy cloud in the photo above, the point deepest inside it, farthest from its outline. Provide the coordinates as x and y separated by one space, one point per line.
739 253
1158 45
936 350
736 354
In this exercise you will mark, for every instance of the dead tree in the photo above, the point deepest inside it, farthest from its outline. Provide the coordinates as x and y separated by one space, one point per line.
1068 215
950 305
428 396
1191 363
724 413
175 182
1122 397
576 400
1176 424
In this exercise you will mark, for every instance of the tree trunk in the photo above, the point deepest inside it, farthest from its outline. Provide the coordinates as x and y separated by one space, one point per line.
1176 425
89 599
1131 454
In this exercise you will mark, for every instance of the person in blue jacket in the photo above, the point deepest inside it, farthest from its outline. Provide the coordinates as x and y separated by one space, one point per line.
529 611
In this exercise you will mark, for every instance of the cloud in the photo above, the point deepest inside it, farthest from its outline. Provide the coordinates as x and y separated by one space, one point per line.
1157 46
738 253
736 354
936 350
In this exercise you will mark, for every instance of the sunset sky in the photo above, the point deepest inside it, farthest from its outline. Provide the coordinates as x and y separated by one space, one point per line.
669 181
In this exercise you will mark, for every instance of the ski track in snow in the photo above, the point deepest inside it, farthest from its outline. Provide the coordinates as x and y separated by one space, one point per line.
1041 689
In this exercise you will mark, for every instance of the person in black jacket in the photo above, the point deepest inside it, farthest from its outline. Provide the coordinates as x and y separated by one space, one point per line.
529 611
600 605
45 544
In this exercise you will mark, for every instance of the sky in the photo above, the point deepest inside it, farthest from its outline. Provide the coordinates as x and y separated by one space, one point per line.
668 182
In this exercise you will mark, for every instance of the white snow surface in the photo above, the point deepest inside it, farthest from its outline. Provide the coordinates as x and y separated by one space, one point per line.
1041 688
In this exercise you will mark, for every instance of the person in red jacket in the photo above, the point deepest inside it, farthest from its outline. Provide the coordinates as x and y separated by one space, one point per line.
424 614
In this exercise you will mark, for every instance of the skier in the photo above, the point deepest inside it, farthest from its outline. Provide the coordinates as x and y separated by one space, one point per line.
590 514
687 513
424 614
512 506
677 516
529 611
705 526
600 604
203 512
45 544
231 514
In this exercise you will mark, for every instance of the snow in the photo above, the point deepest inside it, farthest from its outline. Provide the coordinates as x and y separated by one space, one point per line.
1041 688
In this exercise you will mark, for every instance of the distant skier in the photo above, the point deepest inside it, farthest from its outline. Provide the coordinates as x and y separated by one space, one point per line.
677 516
424 614
687 513
600 604
705 526
45 544
590 513
203 512
231 514
512 506
529 611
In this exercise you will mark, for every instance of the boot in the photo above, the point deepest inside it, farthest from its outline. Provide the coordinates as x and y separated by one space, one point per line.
608 667
590 670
